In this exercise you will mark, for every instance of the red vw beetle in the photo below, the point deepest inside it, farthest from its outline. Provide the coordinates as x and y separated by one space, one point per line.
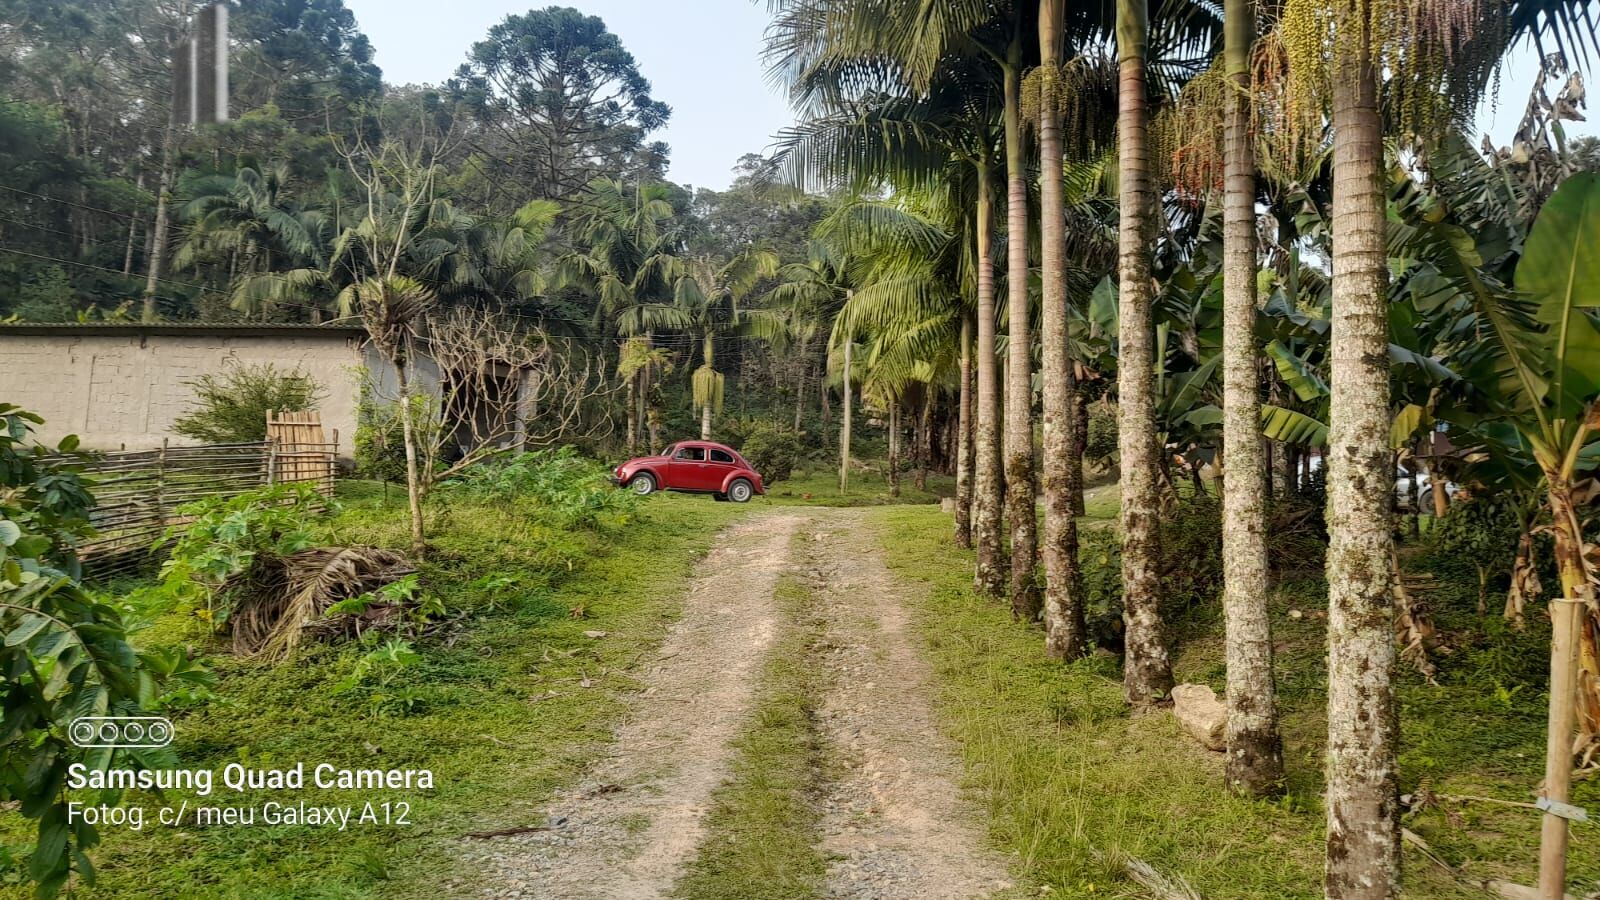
696 467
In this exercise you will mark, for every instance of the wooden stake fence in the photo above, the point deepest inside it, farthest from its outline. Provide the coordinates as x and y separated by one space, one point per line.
138 492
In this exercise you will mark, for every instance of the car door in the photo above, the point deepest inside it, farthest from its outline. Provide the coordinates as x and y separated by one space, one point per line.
687 470
719 465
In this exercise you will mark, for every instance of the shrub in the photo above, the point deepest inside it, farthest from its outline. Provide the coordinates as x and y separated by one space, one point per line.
1191 568
773 451
226 536
1100 444
380 451
232 407
566 489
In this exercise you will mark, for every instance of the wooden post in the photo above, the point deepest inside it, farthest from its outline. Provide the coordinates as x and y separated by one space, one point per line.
272 452
1566 617
161 483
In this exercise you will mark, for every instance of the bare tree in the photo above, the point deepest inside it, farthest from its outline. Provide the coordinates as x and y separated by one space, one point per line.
481 386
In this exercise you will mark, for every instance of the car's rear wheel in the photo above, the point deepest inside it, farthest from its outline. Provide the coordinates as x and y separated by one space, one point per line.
740 491
643 483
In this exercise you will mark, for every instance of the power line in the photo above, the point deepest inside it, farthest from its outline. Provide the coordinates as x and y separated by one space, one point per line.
83 265
120 215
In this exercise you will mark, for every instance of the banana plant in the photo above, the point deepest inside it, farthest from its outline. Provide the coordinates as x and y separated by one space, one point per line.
1536 361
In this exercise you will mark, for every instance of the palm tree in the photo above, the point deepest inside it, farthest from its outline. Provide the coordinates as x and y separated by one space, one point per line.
391 306
705 301
1065 630
1255 749
248 219
1021 485
628 256
874 121
1147 670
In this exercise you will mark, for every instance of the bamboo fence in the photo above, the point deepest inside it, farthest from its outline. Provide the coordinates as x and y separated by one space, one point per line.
138 492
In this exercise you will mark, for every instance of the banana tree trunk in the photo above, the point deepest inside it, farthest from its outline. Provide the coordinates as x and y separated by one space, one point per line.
1021 489
989 577
964 448
1064 627
1080 442
1573 681
1255 749
1362 802
1147 669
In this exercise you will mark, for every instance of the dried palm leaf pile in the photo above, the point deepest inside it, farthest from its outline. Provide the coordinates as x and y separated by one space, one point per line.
281 600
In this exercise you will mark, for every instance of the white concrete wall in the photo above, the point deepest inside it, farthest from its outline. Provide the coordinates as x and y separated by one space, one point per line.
120 391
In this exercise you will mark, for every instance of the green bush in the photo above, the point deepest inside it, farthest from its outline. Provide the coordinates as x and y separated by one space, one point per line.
232 407
223 537
1100 444
380 451
773 451
565 489
1190 570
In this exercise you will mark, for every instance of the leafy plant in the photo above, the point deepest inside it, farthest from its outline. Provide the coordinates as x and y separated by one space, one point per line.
383 664
232 407
771 450
224 536
64 653
43 493
568 490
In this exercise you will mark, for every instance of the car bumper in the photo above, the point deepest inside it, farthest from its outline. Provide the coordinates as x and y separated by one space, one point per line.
614 480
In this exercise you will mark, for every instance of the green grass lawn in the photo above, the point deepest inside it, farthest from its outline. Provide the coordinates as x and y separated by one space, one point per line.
1073 783
819 486
508 702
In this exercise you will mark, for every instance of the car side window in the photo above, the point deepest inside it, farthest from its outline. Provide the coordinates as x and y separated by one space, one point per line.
721 456
691 454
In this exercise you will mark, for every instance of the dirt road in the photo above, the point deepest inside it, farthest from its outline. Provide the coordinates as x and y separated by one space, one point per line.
893 820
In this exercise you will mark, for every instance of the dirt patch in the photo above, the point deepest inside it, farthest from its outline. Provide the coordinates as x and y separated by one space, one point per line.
895 822
626 832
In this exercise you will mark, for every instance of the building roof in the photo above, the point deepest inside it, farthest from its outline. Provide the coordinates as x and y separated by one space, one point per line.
211 329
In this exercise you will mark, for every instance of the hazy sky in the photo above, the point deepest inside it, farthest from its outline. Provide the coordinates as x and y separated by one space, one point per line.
703 58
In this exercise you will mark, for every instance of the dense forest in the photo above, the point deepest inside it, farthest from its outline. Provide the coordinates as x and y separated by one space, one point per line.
1251 262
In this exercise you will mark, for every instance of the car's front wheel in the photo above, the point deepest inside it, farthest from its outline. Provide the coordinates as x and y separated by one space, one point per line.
643 483
740 491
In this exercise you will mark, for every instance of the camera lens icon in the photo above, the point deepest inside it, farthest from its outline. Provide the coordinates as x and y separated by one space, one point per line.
120 731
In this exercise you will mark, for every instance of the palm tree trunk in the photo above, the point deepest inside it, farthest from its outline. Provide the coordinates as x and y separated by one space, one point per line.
1064 627
133 227
408 434
986 483
1021 489
925 438
1147 670
964 453
1255 749
800 386
1362 800
894 447
158 245
844 423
